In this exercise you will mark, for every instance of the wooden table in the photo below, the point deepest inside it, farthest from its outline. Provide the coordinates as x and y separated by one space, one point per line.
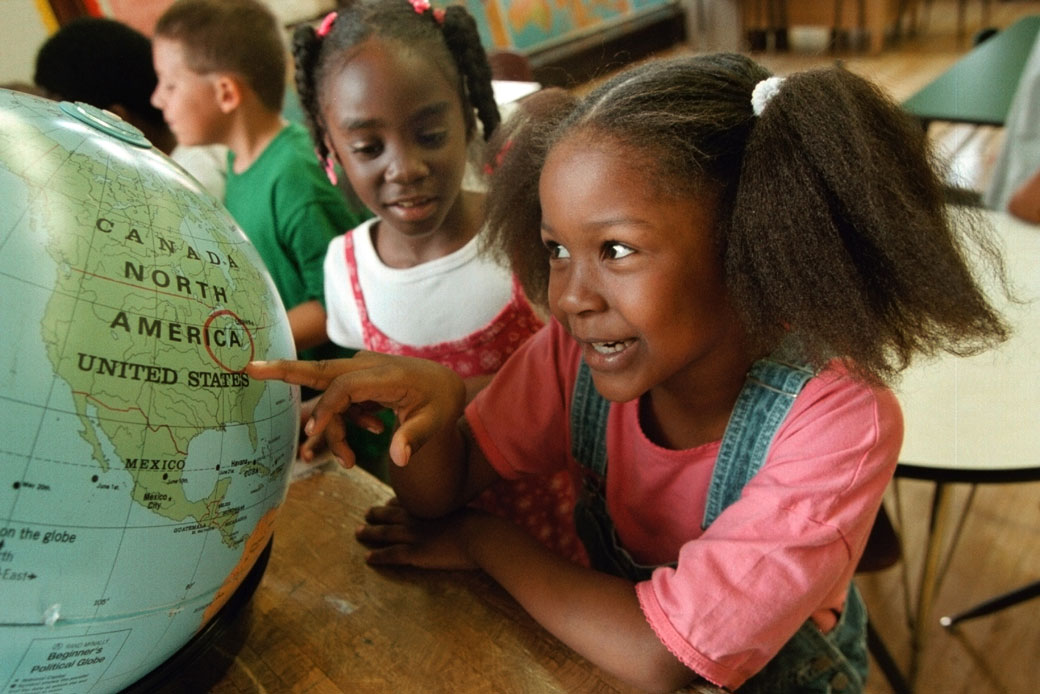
323 622
976 420
979 87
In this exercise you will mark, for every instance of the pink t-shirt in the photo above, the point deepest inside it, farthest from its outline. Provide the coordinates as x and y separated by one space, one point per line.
783 553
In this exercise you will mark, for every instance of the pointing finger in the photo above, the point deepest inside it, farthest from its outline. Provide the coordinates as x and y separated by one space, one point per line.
313 374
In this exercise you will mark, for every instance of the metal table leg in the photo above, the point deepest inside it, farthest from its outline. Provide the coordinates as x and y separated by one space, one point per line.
994 604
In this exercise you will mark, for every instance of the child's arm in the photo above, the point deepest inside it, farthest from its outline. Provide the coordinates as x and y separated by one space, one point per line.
307 323
438 469
433 473
596 614
1025 203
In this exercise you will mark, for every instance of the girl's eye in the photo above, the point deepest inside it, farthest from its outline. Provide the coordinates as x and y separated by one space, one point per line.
556 251
367 150
433 138
615 250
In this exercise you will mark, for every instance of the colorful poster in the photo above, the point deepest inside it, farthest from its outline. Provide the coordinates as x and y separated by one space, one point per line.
529 25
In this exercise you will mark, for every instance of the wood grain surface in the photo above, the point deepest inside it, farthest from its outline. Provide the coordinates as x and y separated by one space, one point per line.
323 622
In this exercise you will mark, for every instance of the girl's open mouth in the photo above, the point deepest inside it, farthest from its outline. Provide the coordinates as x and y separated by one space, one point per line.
414 209
611 347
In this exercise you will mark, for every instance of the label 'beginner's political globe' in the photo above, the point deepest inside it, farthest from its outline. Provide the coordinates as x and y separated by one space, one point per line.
140 468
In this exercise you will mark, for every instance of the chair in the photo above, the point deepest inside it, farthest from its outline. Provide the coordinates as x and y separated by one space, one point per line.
764 19
962 7
842 38
883 550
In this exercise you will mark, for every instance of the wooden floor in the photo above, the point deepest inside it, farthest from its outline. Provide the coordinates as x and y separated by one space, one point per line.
999 547
998 551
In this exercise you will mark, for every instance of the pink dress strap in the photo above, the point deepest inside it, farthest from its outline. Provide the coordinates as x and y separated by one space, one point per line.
479 353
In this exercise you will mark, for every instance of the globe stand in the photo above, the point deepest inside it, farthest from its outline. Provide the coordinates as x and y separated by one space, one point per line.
228 629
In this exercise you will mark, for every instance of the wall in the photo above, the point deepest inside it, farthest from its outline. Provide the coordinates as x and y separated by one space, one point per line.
141 14
24 25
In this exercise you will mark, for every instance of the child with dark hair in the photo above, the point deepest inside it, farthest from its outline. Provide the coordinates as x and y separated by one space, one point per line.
736 265
107 64
393 91
222 78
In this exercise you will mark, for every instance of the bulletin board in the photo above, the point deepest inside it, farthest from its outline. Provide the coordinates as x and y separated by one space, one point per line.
530 26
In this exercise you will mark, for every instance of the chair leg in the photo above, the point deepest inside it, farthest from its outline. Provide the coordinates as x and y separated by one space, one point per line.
885 661
994 604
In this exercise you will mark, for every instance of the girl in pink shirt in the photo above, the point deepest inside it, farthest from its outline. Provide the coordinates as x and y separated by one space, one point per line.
735 265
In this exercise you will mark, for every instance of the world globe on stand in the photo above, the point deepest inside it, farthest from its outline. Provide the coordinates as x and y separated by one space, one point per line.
140 468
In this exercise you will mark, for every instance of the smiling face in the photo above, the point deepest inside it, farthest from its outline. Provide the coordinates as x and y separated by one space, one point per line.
395 123
189 100
634 273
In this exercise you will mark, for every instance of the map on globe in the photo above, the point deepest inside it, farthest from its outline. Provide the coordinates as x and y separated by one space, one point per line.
140 468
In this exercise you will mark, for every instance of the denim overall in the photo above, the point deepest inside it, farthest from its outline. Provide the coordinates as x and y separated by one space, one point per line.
810 662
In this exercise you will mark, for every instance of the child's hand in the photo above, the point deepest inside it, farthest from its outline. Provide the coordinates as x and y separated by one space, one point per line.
398 538
363 415
425 396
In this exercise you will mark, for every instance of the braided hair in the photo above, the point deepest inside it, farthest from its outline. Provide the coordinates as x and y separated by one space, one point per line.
449 37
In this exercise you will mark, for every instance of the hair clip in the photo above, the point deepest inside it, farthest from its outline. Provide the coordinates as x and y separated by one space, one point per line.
326 24
764 92
330 170
328 165
421 6
500 156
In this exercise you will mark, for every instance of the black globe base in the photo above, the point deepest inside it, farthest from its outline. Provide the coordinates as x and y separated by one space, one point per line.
200 662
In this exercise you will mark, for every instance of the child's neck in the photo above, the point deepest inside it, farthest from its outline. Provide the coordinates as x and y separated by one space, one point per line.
251 135
462 223
694 410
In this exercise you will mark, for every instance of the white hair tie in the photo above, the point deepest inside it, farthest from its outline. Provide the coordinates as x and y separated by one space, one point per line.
764 91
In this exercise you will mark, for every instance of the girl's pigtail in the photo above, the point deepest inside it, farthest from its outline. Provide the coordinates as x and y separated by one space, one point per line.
513 213
306 49
463 40
840 232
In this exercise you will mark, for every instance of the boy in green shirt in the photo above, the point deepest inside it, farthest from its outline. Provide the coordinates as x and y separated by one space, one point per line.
222 69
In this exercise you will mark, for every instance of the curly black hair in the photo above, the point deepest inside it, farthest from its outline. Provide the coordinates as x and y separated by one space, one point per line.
101 62
832 221
448 37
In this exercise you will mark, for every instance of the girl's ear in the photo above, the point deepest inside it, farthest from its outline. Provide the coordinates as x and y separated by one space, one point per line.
331 150
228 91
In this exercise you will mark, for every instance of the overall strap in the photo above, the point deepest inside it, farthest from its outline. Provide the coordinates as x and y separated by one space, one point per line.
762 405
764 401
589 423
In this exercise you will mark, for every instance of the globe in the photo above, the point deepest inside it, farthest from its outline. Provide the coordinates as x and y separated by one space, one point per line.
140 468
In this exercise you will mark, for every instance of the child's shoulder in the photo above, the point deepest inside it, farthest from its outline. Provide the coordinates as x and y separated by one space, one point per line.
293 140
289 160
835 399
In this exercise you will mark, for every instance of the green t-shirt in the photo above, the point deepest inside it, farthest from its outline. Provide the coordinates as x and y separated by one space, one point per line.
288 208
